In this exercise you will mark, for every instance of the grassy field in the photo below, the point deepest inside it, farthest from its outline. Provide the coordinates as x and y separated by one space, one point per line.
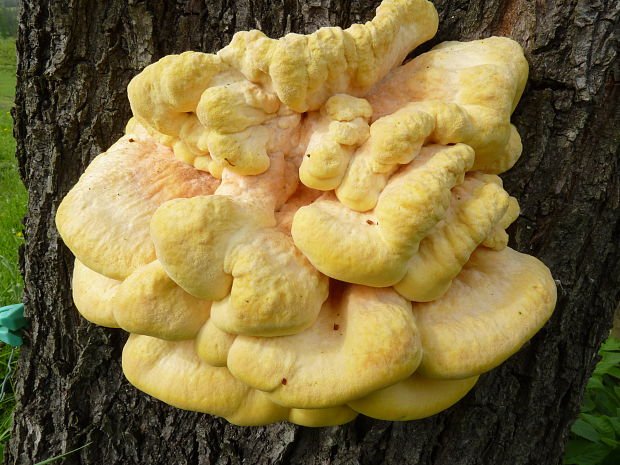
13 200
13 195
7 73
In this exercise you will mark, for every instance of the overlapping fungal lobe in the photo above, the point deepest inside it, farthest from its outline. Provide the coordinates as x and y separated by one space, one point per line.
333 135
92 293
227 248
171 371
461 92
497 303
413 398
105 218
363 339
374 247
477 213
304 229
221 110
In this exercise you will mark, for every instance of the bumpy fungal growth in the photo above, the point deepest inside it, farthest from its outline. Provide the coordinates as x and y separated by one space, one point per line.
304 229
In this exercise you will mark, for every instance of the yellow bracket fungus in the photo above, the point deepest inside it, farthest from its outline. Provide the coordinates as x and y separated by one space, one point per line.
303 229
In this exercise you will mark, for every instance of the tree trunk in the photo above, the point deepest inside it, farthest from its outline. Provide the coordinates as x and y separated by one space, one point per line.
75 60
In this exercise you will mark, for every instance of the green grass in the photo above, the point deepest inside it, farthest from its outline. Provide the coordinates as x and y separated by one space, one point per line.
13 199
7 73
13 196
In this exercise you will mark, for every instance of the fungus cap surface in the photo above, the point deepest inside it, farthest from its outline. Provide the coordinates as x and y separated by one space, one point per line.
363 340
147 302
373 248
478 210
171 371
92 293
105 218
497 303
413 398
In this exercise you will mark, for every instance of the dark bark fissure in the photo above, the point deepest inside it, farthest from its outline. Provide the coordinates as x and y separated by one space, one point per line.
75 60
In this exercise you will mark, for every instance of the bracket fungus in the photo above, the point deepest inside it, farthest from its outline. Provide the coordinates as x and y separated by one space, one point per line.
303 229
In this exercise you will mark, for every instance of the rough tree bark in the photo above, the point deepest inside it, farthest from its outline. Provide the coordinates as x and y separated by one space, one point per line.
75 60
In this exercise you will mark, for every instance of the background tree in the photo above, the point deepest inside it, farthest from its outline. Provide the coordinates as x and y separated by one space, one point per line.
75 60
